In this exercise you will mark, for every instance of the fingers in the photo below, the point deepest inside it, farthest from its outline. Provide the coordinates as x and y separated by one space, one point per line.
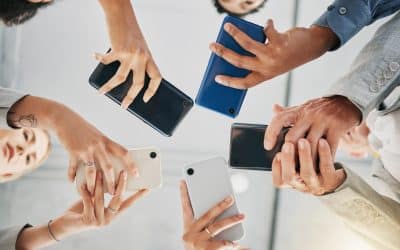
187 210
122 153
288 161
307 171
243 39
117 79
115 203
274 129
277 171
240 61
272 34
209 216
99 199
277 109
246 82
73 166
90 173
315 133
299 130
131 199
108 170
122 182
326 166
155 80
107 58
88 209
223 224
138 80
333 140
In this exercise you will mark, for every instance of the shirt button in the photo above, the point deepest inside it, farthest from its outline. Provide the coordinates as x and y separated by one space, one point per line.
380 81
379 73
388 74
330 7
342 10
373 88
394 66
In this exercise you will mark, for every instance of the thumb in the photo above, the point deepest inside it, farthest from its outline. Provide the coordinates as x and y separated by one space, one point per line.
277 108
272 34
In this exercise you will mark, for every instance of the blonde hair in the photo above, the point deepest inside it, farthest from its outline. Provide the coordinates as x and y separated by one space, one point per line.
29 170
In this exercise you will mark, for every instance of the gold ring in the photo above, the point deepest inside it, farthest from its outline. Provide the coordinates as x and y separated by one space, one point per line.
208 231
112 210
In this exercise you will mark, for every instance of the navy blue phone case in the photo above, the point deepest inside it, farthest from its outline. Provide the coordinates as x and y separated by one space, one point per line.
222 99
165 110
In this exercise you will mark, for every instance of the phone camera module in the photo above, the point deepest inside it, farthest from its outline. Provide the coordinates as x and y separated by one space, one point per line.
232 111
153 155
190 171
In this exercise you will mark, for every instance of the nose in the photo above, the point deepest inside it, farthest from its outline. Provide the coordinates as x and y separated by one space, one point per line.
19 150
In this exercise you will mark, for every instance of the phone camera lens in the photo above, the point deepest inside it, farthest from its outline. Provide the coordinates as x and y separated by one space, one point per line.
153 155
190 171
232 111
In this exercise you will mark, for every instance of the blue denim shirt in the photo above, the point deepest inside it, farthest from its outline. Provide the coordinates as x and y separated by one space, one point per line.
347 17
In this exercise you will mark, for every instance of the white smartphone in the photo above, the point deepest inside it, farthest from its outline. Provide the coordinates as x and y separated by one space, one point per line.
209 183
148 162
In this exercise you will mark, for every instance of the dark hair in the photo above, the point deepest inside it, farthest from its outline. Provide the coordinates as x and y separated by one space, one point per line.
222 10
14 12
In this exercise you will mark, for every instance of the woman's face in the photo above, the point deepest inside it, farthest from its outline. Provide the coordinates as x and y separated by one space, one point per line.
21 150
240 6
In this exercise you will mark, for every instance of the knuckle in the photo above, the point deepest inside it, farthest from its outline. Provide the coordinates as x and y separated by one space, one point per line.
186 238
120 77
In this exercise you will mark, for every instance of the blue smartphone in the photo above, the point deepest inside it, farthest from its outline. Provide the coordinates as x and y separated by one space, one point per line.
222 99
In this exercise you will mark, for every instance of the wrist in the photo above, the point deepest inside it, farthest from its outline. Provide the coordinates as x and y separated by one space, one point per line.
325 37
354 113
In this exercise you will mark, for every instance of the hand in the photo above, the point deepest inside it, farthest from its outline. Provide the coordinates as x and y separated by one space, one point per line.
328 118
87 146
90 212
198 234
129 47
355 141
327 180
282 52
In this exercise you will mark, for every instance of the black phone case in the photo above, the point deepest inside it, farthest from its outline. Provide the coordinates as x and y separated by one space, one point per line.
247 147
163 112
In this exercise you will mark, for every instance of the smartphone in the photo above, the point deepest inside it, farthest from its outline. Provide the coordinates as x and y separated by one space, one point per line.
222 99
209 183
247 147
148 162
165 110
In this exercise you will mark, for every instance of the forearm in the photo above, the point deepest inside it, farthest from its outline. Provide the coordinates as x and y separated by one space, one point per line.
118 11
371 214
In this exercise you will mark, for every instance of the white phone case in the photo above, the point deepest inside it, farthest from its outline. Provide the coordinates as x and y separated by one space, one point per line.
209 184
148 162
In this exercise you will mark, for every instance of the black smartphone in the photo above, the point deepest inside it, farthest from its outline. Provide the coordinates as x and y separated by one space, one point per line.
247 147
165 110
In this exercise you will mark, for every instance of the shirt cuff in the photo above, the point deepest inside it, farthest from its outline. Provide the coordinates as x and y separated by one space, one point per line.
345 18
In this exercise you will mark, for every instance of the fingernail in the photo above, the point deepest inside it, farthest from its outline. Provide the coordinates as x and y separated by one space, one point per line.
322 143
219 80
146 98
267 145
97 56
124 105
240 216
228 199
286 148
124 175
302 144
227 26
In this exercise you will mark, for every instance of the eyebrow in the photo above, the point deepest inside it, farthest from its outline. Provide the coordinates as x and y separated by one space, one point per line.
33 139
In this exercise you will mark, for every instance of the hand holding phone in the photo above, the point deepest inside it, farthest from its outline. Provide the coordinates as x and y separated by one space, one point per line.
247 147
148 163
208 183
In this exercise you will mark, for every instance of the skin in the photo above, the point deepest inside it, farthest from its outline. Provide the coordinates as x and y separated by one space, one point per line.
329 118
307 180
281 52
87 214
195 237
355 141
21 150
86 145
240 6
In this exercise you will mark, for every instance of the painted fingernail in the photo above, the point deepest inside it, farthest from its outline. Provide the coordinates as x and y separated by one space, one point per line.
146 98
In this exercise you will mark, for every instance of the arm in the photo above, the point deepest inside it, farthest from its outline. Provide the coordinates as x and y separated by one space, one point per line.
375 216
129 47
370 213
90 213
86 145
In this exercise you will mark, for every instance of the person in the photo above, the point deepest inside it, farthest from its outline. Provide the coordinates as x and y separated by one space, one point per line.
239 8
87 214
128 45
373 75
28 144
198 233
374 212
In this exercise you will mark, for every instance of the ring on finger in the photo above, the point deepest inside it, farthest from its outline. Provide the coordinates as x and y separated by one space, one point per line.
89 163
